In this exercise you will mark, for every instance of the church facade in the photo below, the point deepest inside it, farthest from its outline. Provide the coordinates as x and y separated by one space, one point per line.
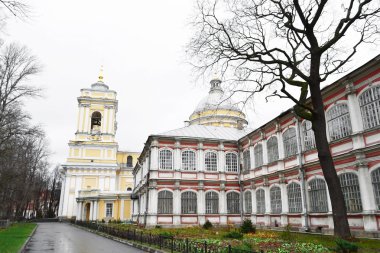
218 170
98 179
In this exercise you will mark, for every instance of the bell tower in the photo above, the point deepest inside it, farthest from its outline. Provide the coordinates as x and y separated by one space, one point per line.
94 140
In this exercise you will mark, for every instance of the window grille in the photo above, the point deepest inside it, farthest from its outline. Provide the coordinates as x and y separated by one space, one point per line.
375 176
260 201
247 160
318 196
212 202
165 202
109 209
248 201
258 150
338 122
294 198
166 159
231 162
308 135
211 161
189 202
290 142
188 160
233 202
272 148
351 192
275 199
369 103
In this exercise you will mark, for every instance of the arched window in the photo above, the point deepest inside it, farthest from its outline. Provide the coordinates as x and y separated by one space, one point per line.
189 202
260 201
211 161
188 160
233 202
166 159
308 135
212 202
129 161
375 176
258 150
165 202
231 162
338 121
369 103
318 196
247 160
351 192
129 189
275 199
272 147
96 121
294 198
248 201
290 142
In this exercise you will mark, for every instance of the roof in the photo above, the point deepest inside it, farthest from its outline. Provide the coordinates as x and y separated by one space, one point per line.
207 132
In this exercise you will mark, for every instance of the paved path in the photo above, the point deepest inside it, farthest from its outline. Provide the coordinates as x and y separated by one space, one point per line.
61 237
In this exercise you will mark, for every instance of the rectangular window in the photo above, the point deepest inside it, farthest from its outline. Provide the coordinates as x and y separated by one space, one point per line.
109 207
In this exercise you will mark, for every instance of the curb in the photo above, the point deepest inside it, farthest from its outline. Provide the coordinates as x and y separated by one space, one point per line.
120 240
27 240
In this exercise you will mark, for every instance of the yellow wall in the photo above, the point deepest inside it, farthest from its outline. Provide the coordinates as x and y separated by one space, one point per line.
90 183
101 210
127 209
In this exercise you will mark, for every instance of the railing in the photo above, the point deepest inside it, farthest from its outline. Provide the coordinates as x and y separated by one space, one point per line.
167 243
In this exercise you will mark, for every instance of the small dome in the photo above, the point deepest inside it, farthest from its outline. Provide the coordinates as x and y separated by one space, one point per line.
100 85
217 109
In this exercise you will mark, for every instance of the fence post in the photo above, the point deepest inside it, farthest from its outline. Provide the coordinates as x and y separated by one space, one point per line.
160 241
205 246
187 245
229 248
141 237
172 244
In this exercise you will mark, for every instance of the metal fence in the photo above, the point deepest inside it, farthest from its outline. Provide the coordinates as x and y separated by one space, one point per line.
167 243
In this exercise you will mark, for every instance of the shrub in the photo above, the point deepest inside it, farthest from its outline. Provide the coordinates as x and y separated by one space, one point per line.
103 221
233 235
158 226
247 227
207 225
345 246
165 234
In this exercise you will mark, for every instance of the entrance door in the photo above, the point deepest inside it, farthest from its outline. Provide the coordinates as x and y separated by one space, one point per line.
87 211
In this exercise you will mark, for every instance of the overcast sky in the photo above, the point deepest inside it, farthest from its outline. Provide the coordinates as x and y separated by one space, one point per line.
141 45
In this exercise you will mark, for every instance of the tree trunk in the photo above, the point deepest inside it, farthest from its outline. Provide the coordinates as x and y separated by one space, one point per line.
341 227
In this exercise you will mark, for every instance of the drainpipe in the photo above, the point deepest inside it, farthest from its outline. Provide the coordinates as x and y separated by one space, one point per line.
241 188
147 190
302 172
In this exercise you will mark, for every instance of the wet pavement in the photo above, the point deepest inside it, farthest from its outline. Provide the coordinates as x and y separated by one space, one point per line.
61 237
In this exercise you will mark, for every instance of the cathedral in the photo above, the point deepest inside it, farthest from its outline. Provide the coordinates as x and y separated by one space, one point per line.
217 169
98 179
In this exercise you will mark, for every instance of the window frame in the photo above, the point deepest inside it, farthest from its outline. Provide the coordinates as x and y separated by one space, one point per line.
211 166
247 160
290 143
275 199
165 203
189 165
259 155
248 201
376 186
231 164
109 215
212 202
294 193
272 149
189 203
351 192
163 164
308 135
233 202
338 125
370 109
260 201
318 199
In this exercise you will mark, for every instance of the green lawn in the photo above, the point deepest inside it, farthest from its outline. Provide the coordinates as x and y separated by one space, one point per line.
12 238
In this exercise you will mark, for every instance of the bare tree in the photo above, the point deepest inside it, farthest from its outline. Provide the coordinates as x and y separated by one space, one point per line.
282 44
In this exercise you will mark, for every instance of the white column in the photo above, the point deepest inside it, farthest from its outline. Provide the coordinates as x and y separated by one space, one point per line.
267 205
201 205
254 207
104 120
285 204
111 113
79 212
221 158
176 205
280 143
354 109
265 152
368 198
87 117
60 210
80 118
177 156
95 210
91 210
200 156
66 196
222 206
